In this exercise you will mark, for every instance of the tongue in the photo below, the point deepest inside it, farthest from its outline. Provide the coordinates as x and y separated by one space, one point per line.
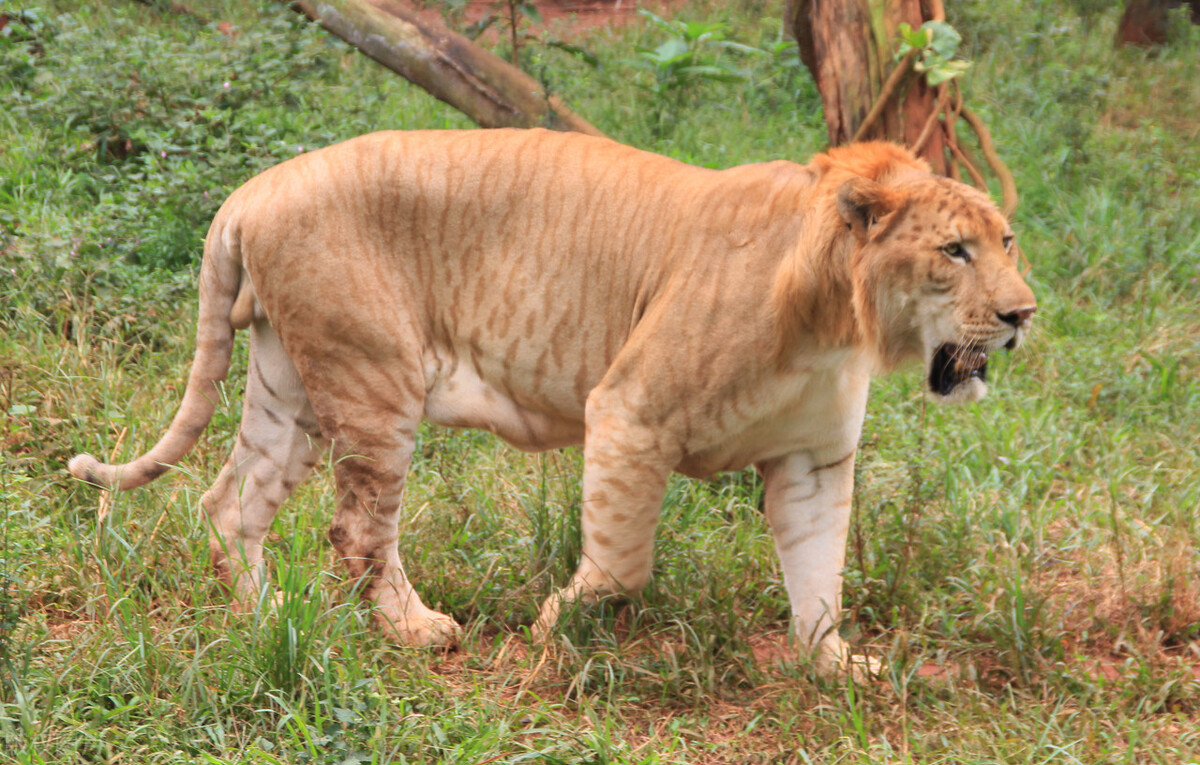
953 365
969 362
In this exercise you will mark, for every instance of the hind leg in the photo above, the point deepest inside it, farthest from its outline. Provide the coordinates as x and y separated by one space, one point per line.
365 532
371 413
278 445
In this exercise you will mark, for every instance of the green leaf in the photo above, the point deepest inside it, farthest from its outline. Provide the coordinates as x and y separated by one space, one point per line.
530 11
945 70
696 30
712 73
671 50
658 21
914 39
943 38
480 26
591 59
748 50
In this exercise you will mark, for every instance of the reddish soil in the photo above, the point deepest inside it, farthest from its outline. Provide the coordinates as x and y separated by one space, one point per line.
575 15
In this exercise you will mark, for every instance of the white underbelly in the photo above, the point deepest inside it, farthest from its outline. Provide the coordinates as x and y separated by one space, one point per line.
460 397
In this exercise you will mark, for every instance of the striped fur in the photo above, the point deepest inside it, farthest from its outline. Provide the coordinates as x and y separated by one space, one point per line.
557 289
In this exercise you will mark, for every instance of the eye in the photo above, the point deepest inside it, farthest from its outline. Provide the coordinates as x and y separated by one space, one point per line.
1008 242
956 251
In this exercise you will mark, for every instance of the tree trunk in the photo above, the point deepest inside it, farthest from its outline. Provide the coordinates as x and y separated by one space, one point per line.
1146 22
486 88
848 45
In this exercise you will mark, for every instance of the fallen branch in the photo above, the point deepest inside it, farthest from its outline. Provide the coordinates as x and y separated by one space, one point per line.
454 69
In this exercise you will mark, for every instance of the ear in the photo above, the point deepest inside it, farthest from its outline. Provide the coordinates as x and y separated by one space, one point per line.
862 203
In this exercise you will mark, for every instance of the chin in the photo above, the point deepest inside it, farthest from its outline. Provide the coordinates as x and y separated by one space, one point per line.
965 392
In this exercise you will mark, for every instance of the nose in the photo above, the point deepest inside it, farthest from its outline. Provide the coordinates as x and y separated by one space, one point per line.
1018 317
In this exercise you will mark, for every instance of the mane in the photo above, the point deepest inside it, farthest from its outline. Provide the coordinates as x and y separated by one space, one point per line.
813 297
877 160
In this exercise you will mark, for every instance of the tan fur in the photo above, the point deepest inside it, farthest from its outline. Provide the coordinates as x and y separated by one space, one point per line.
556 289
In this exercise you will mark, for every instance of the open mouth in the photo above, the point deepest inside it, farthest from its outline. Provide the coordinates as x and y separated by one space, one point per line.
953 365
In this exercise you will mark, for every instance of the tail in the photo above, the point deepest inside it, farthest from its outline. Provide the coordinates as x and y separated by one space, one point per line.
222 286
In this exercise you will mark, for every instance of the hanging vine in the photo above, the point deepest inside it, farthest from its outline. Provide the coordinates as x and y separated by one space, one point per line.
930 51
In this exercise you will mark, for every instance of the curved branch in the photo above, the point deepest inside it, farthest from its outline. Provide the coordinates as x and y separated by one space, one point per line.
959 154
927 128
903 68
952 110
1008 186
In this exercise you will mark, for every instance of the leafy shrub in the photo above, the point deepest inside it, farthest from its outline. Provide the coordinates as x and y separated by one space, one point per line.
154 149
691 55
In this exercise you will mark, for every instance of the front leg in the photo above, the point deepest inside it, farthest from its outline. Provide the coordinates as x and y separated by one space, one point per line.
808 498
625 471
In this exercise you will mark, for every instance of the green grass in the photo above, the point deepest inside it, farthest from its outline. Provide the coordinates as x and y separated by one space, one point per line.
1029 565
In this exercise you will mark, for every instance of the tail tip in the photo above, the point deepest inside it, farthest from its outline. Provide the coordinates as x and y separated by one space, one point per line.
86 468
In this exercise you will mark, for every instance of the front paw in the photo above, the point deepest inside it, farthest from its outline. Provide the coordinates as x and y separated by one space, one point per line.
861 668
833 659
430 629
